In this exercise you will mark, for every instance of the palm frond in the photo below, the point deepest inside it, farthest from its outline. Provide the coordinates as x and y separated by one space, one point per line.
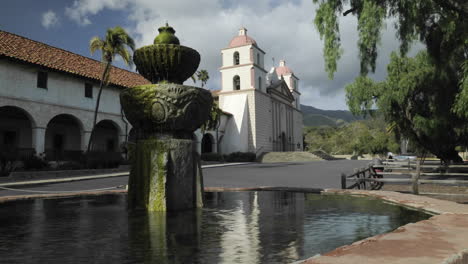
123 52
95 44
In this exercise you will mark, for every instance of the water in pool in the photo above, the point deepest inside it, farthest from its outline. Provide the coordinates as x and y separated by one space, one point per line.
234 227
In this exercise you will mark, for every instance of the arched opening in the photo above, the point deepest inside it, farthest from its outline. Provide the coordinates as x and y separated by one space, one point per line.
63 138
236 82
258 58
207 143
260 83
106 137
236 58
15 132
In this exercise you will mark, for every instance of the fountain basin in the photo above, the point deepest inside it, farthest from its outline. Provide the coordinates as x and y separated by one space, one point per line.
242 227
166 107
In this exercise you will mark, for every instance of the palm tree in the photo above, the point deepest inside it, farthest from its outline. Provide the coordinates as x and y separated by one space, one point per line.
115 43
202 75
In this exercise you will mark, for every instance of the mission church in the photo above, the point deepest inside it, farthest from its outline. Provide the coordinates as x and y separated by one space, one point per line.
265 105
48 95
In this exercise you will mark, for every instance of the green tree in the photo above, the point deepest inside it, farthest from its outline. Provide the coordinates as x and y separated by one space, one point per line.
202 76
425 97
115 43
417 100
356 138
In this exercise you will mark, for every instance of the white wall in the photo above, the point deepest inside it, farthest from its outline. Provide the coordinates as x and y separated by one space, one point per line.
236 135
264 123
260 63
259 73
227 76
64 95
228 55
20 80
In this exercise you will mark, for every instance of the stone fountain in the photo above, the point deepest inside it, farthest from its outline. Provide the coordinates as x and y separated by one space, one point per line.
165 170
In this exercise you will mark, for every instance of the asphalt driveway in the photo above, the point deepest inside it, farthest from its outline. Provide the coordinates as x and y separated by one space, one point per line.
316 174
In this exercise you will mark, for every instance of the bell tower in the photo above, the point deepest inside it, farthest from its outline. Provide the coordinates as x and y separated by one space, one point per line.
242 64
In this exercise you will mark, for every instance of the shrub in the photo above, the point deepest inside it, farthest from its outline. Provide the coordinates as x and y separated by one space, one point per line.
34 163
103 160
240 157
211 157
70 165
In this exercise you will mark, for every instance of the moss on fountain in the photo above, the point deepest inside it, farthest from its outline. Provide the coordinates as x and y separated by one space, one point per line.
166 36
163 169
166 60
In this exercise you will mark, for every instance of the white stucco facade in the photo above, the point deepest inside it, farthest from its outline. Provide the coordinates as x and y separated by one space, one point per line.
60 112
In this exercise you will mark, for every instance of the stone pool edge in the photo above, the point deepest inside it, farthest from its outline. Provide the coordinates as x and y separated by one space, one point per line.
442 238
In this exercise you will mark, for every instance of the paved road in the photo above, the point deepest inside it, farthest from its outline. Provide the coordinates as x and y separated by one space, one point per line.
317 174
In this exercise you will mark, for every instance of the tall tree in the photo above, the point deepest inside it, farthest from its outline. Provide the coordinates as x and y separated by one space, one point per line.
426 98
203 77
115 43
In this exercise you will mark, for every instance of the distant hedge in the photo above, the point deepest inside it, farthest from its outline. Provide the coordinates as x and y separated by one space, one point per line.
240 157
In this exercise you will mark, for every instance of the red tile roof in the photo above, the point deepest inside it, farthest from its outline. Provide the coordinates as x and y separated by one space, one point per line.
24 49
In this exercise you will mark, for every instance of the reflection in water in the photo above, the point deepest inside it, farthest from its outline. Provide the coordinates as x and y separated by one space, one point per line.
234 227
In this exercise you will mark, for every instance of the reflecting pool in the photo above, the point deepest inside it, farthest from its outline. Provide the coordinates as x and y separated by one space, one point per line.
234 227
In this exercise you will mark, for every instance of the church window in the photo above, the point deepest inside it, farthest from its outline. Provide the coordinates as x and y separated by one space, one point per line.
42 80
88 90
236 82
236 58
260 83
258 58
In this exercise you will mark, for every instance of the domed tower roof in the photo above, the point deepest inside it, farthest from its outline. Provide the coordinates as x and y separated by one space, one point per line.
242 39
283 69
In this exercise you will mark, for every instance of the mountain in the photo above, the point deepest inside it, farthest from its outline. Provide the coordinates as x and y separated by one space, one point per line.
317 117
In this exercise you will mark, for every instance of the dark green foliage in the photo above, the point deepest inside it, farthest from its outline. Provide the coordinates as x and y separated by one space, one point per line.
357 138
426 98
240 157
213 120
103 160
417 99
202 76
212 157
34 163
440 24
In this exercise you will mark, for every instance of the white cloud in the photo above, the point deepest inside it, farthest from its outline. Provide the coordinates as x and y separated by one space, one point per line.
49 19
283 29
81 9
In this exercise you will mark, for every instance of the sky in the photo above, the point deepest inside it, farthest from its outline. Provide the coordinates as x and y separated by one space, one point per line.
284 29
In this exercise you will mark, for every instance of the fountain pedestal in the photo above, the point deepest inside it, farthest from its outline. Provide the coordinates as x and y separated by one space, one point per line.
165 176
165 168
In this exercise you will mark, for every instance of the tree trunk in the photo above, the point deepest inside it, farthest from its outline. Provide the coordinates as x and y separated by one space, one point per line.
98 100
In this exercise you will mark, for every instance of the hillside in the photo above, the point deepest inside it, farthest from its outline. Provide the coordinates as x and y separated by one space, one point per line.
317 117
